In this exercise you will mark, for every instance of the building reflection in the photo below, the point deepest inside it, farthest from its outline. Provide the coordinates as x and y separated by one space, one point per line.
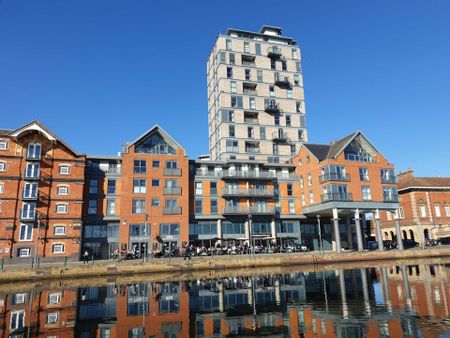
395 301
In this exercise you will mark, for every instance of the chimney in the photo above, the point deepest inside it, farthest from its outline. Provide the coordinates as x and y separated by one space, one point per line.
409 173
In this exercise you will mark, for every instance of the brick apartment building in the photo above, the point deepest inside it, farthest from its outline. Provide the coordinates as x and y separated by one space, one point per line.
41 194
424 208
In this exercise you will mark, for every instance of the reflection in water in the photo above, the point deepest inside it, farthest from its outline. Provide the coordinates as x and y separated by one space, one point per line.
395 301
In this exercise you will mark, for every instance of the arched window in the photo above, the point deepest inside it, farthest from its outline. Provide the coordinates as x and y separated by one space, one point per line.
404 234
411 234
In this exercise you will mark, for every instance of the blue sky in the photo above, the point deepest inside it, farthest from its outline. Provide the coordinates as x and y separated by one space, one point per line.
99 73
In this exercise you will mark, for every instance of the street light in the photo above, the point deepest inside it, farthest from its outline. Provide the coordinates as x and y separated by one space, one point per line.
35 258
320 234
250 233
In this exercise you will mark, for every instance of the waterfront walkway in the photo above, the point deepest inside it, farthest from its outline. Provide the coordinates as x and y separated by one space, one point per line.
178 265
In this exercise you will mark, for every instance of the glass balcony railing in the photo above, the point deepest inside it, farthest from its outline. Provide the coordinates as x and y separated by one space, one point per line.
343 196
172 172
334 177
389 180
172 210
245 210
252 192
172 191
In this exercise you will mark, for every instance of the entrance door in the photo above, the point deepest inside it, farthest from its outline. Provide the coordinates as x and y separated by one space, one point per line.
139 248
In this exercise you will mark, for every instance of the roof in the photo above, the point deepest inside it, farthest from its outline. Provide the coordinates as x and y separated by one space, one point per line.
407 182
331 151
36 125
162 132
5 131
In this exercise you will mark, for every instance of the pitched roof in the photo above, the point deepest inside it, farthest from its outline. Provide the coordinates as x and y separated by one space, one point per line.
169 139
36 125
5 131
338 146
320 151
422 182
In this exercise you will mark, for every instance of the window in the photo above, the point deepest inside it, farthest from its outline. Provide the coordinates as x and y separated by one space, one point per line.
155 183
213 188
28 210
247 74
93 186
447 210
296 80
64 170
198 206
366 194
275 149
19 298
236 101
232 58
246 47
232 145
110 207
283 65
198 188
311 197
54 298
252 102
422 210
250 132
23 252
30 190
58 248
288 120
26 232
213 206
301 135
140 166
301 182
230 72
230 116
289 189
293 150
59 230
138 206
17 320
169 229
294 54
3 145
92 207
273 64
276 119
289 93
298 107
390 194
2 166
62 190
298 67
309 180
155 202
303 200
233 88
222 57
262 133
52 317
272 91
231 131
34 151
139 186
437 210
2 188
363 174
155 164
32 170
228 44
259 75
111 186
291 207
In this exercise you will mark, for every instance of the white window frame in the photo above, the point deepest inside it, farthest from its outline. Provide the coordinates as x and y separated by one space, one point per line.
60 187
19 298
18 325
33 153
422 210
63 172
437 210
139 189
28 206
311 197
5 147
59 226
57 245
24 227
291 205
367 195
54 298
2 188
52 317
198 188
447 210
30 190
66 208
28 250
2 166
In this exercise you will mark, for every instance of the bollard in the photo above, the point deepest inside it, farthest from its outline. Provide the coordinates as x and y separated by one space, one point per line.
92 259
65 261
2 263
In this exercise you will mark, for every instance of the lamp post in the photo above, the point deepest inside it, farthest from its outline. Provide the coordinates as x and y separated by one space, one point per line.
320 234
250 233
35 258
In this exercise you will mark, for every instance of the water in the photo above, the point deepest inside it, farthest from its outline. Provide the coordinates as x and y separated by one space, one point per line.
382 301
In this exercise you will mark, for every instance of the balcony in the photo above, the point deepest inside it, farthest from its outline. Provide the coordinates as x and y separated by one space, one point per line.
33 157
271 107
279 136
282 81
389 180
208 173
244 210
253 192
172 191
172 210
336 197
274 52
172 172
249 174
334 177
391 199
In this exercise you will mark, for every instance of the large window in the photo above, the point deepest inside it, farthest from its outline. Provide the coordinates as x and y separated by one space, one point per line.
30 190
169 229
366 194
261 228
93 186
363 174
26 232
140 166
34 151
3 145
28 210
236 101
203 229
139 186
422 210
198 188
213 188
172 164
390 194
92 208
17 320
214 207
139 230
110 207
198 206
285 227
233 228
111 186
32 170
138 206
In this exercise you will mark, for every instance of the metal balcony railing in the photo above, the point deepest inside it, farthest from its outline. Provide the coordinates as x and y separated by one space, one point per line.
274 52
244 210
172 191
271 107
253 192
208 173
334 177
389 180
172 172
336 197
172 211
393 199
248 174
282 81
280 136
